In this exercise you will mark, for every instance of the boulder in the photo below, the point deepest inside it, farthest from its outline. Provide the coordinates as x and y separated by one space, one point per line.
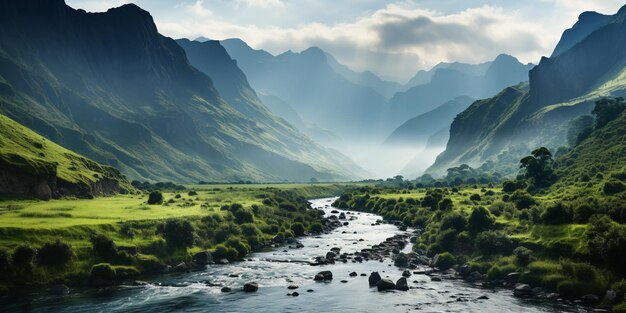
406 274
323 275
522 290
374 278
342 216
353 274
295 294
250 287
226 289
330 255
513 277
222 261
385 284
402 284
180 267
590 299
291 287
203 258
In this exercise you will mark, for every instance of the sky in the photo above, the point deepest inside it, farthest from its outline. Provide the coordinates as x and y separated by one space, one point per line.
393 39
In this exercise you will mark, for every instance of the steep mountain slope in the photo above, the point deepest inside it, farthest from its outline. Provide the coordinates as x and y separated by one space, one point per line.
32 166
417 130
448 83
366 78
560 88
309 84
109 86
587 23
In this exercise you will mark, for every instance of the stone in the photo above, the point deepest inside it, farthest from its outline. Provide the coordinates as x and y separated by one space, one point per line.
402 284
522 290
295 294
203 258
590 299
374 278
435 278
250 287
291 287
483 298
323 275
222 261
513 277
353 274
406 274
226 289
385 284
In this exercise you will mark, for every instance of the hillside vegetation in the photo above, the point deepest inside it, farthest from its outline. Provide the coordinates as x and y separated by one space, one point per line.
31 165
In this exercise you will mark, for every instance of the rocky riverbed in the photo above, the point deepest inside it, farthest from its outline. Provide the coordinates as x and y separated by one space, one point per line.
361 265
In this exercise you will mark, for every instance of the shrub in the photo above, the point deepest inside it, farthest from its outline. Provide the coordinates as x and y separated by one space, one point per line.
150 263
581 271
491 242
608 240
243 215
54 254
178 233
125 272
522 255
316 228
192 193
613 186
102 272
225 231
499 272
557 214
224 252
454 220
509 186
582 212
445 261
243 248
570 289
103 246
298 229
475 197
5 260
522 199
155 197
23 257
480 220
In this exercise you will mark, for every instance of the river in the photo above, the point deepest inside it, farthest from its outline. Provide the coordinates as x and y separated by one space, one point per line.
200 291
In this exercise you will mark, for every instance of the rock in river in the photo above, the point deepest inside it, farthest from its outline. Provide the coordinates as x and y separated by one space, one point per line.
374 278
402 284
324 275
251 287
385 284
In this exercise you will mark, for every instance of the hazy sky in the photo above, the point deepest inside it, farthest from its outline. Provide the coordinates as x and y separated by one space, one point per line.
392 38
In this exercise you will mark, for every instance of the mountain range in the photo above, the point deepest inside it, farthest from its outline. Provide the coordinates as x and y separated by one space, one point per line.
588 64
110 87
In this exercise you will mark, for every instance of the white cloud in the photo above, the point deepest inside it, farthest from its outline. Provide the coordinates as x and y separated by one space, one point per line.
198 9
261 3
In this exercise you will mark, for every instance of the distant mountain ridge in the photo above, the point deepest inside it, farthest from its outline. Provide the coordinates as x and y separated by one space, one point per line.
109 86
560 88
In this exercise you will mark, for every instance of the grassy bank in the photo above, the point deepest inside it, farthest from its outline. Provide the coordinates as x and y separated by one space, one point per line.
494 233
130 237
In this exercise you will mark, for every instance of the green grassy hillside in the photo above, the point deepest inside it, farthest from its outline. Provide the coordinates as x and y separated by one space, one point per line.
24 153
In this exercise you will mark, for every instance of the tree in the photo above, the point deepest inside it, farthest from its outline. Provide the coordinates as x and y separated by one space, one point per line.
54 254
480 220
178 233
538 167
608 109
23 257
155 197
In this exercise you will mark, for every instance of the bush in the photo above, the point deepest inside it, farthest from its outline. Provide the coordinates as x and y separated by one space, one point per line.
23 257
54 254
557 214
298 229
155 197
475 197
499 272
608 240
583 272
103 246
243 215
480 220
522 255
613 186
102 272
491 242
316 228
242 247
571 289
445 261
192 193
582 212
179 234
224 252
125 272
5 260
454 220
522 199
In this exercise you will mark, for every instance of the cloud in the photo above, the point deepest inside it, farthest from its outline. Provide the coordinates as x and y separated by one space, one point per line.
261 3
198 9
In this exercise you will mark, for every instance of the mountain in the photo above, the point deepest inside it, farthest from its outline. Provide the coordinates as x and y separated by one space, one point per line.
560 89
449 82
33 166
587 23
424 77
110 87
309 85
417 130
365 78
